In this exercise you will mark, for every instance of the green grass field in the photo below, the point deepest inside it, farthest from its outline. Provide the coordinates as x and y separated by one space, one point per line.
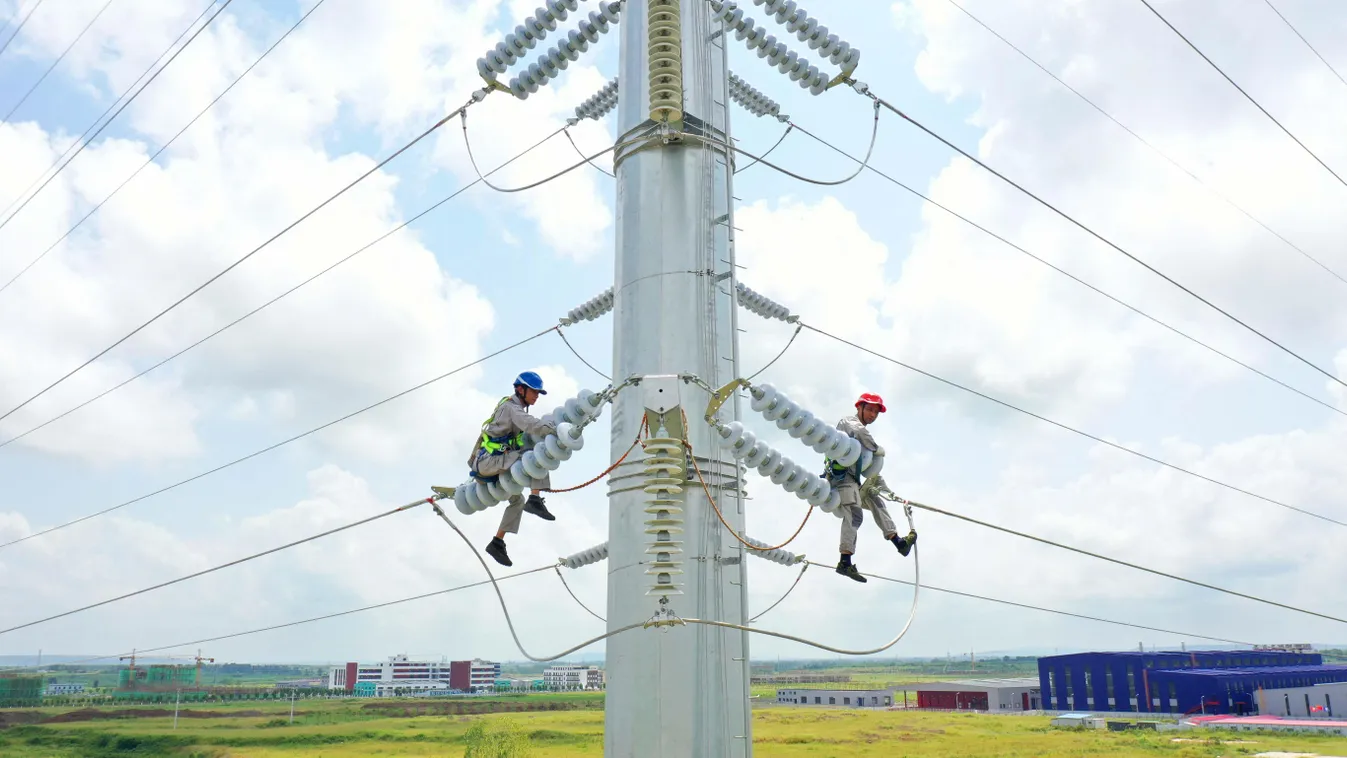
348 728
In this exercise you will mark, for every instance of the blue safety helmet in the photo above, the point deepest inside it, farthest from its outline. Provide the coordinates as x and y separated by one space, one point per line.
531 380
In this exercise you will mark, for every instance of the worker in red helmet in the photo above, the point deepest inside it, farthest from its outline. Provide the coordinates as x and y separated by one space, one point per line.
846 480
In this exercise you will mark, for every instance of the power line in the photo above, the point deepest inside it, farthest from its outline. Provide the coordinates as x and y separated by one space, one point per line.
162 148
1148 144
1246 95
1117 561
236 562
476 97
118 112
1077 279
276 445
108 110
1104 239
1074 430
1045 610
301 622
279 297
19 28
58 60
1296 31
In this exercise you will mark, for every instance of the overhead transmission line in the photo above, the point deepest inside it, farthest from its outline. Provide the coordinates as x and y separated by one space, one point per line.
1222 196
1246 95
89 129
276 445
1028 606
477 97
58 60
85 142
1074 430
1296 31
163 147
1117 561
862 89
235 562
1073 277
23 22
281 296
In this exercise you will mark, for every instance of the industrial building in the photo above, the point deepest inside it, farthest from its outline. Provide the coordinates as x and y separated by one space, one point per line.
844 698
1314 701
1182 682
999 695
572 676
464 676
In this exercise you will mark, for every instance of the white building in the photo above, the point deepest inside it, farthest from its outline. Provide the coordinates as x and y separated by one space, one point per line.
1312 701
397 668
410 688
843 698
573 676
995 695
64 689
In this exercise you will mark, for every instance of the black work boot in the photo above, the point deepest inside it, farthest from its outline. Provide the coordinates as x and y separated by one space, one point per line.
535 506
496 549
904 544
845 568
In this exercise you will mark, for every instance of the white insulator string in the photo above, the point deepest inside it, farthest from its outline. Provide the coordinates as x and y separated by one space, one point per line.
808 30
586 557
525 37
590 309
777 555
754 101
550 64
762 305
600 104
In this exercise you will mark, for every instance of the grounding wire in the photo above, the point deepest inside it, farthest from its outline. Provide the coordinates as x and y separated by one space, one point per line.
57 62
475 98
1246 95
790 342
577 600
324 617
284 294
1296 31
509 622
562 335
1077 279
874 136
774 146
1104 239
89 129
19 28
163 147
1151 146
580 153
282 443
1074 430
586 161
803 568
236 562
1117 561
1026 606
85 143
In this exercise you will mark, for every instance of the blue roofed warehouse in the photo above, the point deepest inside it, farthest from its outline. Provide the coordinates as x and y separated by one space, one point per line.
1216 681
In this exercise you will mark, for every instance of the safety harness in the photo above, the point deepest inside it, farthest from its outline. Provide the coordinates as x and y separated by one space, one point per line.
496 445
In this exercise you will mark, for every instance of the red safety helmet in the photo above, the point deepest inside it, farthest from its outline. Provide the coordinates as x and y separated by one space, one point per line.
871 399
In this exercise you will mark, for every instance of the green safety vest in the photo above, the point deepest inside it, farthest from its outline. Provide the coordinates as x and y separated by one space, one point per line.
498 445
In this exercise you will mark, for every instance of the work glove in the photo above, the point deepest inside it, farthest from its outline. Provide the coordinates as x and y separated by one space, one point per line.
879 450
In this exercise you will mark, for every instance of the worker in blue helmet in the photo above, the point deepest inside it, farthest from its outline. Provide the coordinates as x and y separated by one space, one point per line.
505 437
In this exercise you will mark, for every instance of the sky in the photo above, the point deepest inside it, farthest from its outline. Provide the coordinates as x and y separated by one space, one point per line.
864 260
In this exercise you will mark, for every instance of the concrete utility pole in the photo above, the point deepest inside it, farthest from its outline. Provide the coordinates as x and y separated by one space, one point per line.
676 691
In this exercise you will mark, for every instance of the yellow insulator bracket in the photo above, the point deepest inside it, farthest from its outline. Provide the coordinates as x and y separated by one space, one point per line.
721 396
664 29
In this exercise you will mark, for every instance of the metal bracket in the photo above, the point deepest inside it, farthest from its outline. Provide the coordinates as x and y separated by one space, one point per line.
720 396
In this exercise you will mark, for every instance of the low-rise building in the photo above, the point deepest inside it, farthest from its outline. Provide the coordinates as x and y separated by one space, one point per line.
464 676
996 695
67 688
843 698
572 676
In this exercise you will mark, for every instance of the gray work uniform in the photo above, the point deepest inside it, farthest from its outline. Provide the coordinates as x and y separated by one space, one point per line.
853 506
510 418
